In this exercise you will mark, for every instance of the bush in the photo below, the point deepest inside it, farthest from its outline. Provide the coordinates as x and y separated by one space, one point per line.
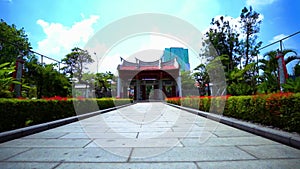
18 113
280 110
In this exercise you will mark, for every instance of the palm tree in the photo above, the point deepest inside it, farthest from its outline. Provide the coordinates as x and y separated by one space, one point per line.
269 66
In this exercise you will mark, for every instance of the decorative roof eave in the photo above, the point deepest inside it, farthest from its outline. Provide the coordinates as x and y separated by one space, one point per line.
154 65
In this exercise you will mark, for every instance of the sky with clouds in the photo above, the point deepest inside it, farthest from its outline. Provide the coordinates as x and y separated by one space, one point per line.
54 27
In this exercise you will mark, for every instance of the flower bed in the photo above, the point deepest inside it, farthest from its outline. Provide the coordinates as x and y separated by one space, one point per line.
280 110
18 113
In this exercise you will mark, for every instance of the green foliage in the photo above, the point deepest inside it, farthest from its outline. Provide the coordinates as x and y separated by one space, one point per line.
6 79
201 74
250 21
297 69
187 80
269 65
224 38
76 62
13 41
188 83
243 81
292 85
280 110
238 89
45 80
105 78
236 48
16 113
268 83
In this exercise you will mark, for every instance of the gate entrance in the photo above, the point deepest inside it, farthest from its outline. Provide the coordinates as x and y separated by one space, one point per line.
149 80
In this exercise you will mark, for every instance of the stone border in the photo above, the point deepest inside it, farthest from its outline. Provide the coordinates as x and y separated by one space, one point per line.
283 137
17 133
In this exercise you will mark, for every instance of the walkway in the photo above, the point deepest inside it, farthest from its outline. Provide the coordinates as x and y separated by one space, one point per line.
146 135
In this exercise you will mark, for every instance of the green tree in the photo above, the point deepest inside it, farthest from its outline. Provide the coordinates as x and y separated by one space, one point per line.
297 69
76 62
292 85
13 41
250 27
103 84
187 83
201 75
6 79
45 79
243 81
269 67
224 37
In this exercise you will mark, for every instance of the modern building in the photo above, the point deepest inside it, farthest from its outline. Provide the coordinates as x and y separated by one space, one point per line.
181 54
149 80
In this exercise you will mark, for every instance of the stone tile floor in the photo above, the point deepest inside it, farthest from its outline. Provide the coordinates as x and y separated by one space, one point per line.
146 135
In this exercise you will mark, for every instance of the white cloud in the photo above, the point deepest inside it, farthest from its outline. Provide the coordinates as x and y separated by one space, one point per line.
257 3
277 37
110 63
60 39
234 22
147 47
188 7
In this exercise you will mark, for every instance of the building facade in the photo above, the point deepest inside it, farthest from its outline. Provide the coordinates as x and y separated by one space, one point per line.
181 54
149 80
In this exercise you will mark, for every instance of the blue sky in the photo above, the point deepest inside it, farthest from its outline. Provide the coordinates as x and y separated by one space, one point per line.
56 26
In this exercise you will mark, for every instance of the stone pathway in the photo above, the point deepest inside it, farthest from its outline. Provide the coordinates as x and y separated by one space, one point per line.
146 135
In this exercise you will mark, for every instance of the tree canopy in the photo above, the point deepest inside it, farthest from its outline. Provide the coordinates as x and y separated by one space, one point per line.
76 62
14 42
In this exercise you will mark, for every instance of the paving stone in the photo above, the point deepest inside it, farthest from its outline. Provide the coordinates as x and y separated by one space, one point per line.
272 151
26 165
168 142
72 155
9 152
155 129
186 127
226 141
154 136
123 130
67 129
171 134
99 129
127 165
232 133
157 124
216 153
122 124
100 135
46 134
135 130
252 164
92 144
74 124
46 143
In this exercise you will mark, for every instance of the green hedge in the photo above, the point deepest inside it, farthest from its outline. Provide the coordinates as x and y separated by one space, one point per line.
15 113
280 110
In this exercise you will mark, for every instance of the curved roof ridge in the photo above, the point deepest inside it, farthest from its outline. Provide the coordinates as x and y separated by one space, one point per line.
152 63
169 62
128 63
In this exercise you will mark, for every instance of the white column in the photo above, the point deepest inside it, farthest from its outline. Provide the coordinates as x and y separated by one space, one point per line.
138 89
119 86
160 92
179 86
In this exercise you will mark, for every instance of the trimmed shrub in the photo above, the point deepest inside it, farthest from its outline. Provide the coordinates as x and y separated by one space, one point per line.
18 113
280 110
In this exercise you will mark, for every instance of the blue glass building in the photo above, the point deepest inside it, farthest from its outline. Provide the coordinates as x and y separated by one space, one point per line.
181 54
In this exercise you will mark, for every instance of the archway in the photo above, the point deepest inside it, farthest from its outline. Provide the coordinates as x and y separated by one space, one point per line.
149 80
